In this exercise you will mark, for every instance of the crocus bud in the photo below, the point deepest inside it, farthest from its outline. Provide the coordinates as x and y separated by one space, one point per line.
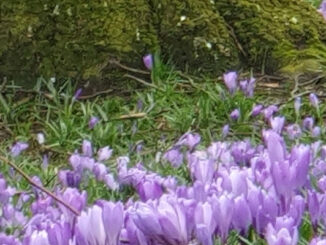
92 122
235 114
256 110
297 105
225 130
314 100
148 61
315 132
77 94
230 80
87 148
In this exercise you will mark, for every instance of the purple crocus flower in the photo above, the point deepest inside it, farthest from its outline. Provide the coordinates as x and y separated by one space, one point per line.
174 156
69 178
314 100
18 147
256 110
8 240
149 189
230 80
315 132
223 210
112 216
283 232
104 153
235 114
322 9
297 105
100 170
277 123
269 111
308 123
77 94
87 148
205 223
242 218
318 240
190 140
92 122
225 130
148 61
293 131
38 238
59 233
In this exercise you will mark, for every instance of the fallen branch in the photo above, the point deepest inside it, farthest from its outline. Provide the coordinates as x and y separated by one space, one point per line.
33 183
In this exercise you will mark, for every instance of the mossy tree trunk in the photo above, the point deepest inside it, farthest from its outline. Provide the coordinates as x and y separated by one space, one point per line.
75 38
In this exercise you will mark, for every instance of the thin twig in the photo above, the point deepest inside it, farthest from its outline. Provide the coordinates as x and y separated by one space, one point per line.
142 81
33 183
115 62
134 115
84 97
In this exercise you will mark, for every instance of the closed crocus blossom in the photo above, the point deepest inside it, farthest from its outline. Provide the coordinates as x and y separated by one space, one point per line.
205 223
282 233
315 132
223 209
242 218
230 80
112 216
308 123
256 110
269 111
277 123
172 217
148 61
38 238
59 233
87 148
225 130
297 105
89 228
18 147
235 114
147 221
314 101
104 153
77 94
149 189
92 122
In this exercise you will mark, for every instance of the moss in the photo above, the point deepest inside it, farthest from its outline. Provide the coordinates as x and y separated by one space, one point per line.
275 33
76 38
72 37
195 35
